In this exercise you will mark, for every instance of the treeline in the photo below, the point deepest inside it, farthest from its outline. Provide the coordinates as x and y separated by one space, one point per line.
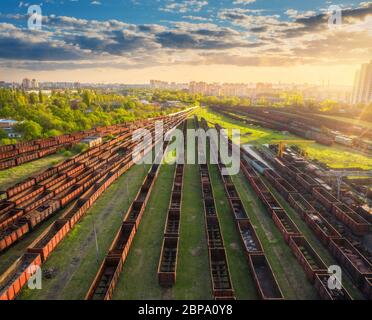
41 115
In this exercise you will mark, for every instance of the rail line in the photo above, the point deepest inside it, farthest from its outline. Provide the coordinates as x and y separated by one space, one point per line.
34 200
314 204
12 281
263 276
222 288
314 268
168 261
103 286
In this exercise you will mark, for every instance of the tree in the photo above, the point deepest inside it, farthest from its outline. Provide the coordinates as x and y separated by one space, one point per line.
3 134
29 129
41 97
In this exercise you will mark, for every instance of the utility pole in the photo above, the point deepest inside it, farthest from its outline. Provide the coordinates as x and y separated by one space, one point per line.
96 240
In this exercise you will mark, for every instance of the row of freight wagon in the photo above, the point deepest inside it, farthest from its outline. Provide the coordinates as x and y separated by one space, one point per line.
315 269
297 126
281 123
263 276
34 200
33 203
167 268
15 155
103 285
222 287
350 258
12 281
88 157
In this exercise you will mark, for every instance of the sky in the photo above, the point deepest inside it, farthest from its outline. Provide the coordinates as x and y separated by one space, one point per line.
133 41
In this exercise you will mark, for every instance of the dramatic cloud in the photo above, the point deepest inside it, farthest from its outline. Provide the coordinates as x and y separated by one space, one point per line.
236 36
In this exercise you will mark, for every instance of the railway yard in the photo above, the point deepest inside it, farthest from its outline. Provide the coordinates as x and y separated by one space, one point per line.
102 227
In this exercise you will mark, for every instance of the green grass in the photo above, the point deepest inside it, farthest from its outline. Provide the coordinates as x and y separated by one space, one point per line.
240 274
12 176
334 156
74 262
290 275
193 277
138 280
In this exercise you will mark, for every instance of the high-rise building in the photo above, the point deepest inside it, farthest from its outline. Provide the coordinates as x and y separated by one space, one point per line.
362 92
26 84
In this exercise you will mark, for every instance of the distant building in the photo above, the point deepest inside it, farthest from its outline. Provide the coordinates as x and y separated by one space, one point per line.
28 84
362 92
6 123
8 126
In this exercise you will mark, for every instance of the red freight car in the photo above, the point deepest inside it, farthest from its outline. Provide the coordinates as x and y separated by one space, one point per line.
300 205
307 257
321 284
12 280
271 176
43 212
349 217
7 164
214 236
13 232
8 154
36 201
19 187
49 239
26 158
46 174
6 206
27 194
172 224
266 284
252 244
167 269
285 225
104 284
220 275
322 195
325 293
9 218
321 227
351 259
68 195
284 188
123 241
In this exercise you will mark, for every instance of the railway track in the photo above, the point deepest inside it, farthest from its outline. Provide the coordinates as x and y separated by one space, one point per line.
222 288
167 269
307 257
17 154
104 284
32 201
263 276
314 205
12 280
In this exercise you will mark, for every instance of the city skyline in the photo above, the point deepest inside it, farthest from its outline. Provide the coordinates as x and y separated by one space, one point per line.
238 41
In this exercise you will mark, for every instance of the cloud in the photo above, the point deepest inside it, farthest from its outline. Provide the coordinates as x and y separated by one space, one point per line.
244 38
184 6
243 2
